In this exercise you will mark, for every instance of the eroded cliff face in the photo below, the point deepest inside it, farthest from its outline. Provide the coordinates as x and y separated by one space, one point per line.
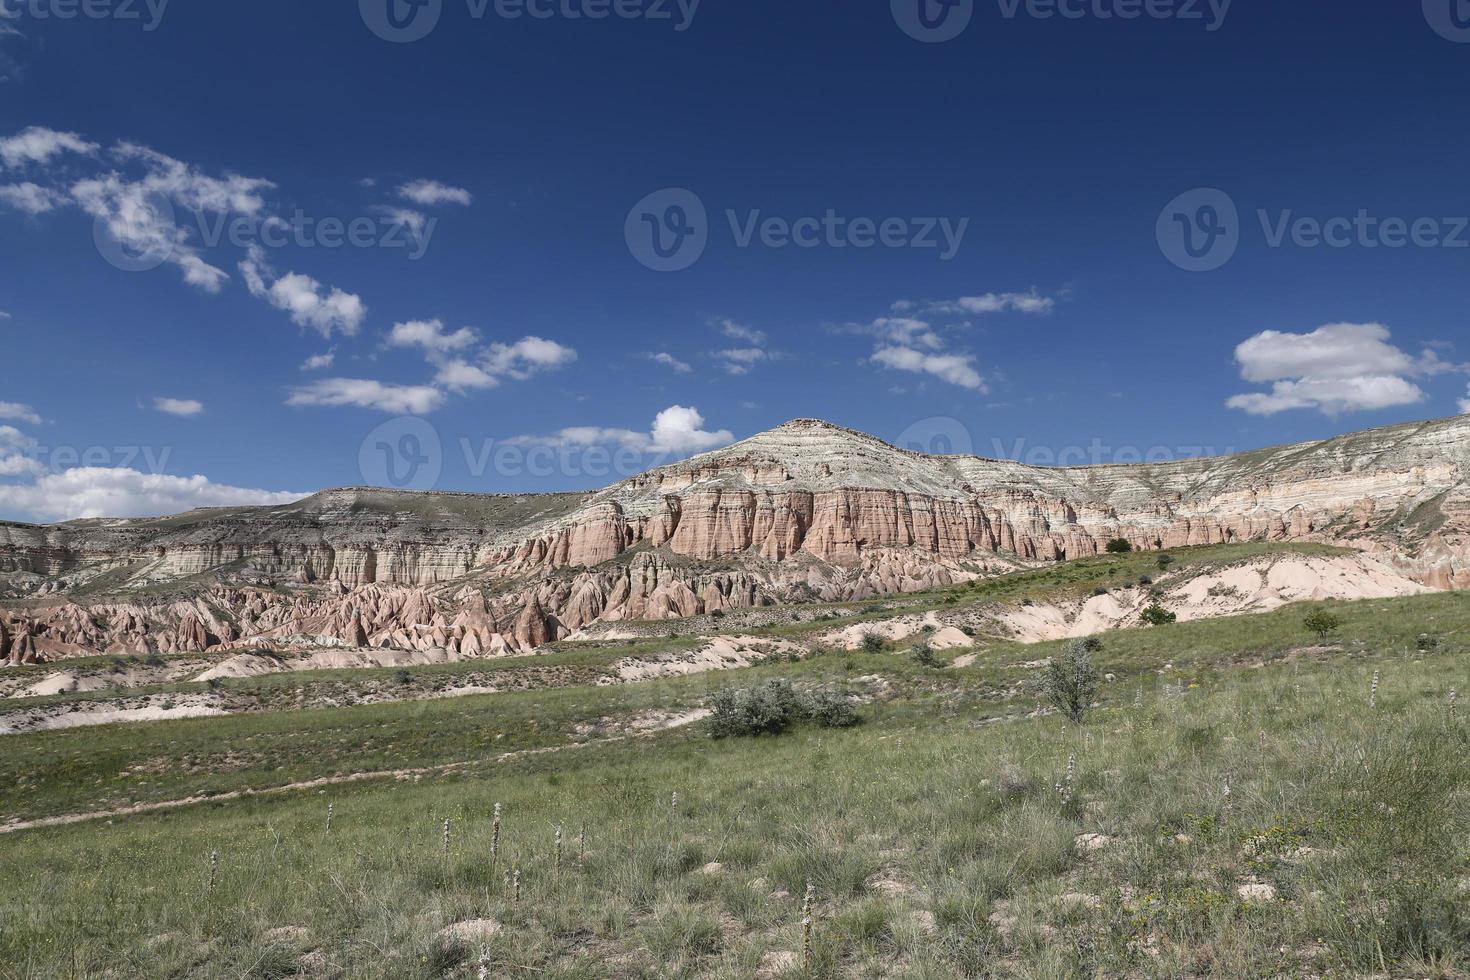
806 511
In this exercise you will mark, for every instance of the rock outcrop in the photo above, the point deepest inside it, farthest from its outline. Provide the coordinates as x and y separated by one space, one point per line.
806 511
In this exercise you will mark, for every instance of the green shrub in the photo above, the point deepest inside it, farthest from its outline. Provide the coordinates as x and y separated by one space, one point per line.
771 707
1119 546
1165 561
1322 624
874 642
1071 679
924 654
1157 615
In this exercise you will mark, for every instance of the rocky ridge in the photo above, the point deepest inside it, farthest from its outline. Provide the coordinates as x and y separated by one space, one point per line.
807 511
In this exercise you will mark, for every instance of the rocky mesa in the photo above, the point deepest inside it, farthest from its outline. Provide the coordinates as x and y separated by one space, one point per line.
807 511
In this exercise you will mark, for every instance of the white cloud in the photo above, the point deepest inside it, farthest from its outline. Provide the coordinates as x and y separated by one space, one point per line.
19 412
670 361
526 357
102 492
741 360
182 407
318 362
306 300
1032 302
414 221
13 438
957 369
677 430
363 393
430 192
430 335
756 338
31 198
457 375
4 315
1465 403
39 144
1341 367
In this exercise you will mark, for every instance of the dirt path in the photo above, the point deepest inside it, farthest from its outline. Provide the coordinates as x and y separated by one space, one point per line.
60 820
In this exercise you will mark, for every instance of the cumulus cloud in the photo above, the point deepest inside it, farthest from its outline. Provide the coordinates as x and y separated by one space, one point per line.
428 193
104 492
182 407
365 393
308 302
526 357
39 144
957 369
1465 403
1341 367
19 413
318 362
31 198
904 343
670 361
677 430
430 336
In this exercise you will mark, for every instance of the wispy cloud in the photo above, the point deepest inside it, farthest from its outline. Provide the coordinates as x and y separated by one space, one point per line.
318 362
429 193
670 361
364 393
15 411
182 407
38 144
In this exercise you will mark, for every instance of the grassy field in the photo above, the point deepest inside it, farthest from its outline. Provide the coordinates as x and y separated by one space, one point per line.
1244 801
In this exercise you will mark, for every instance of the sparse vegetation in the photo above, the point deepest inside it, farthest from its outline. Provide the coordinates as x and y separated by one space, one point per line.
1322 624
1071 679
1157 615
874 642
1219 818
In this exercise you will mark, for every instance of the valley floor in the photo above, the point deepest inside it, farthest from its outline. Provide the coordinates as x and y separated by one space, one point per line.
1245 800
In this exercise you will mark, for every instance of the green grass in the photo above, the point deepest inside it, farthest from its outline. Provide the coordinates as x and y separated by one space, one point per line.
934 832
923 819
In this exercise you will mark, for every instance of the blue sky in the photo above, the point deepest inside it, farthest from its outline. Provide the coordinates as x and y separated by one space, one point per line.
1003 269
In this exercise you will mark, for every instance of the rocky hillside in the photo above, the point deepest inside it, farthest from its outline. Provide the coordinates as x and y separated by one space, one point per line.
806 511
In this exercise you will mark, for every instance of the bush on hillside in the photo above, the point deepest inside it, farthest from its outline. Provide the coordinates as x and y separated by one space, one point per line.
771 707
1322 624
874 642
1071 679
1157 615
1120 546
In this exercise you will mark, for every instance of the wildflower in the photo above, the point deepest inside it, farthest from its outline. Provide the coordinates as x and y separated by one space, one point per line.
213 869
558 850
1373 695
495 839
446 837
1453 697
807 920
484 962
516 884
329 818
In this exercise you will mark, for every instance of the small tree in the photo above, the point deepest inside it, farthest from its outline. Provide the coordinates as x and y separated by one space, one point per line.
1322 624
874 642
1165 561
924 654
1071 679
1157 615
1119 546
